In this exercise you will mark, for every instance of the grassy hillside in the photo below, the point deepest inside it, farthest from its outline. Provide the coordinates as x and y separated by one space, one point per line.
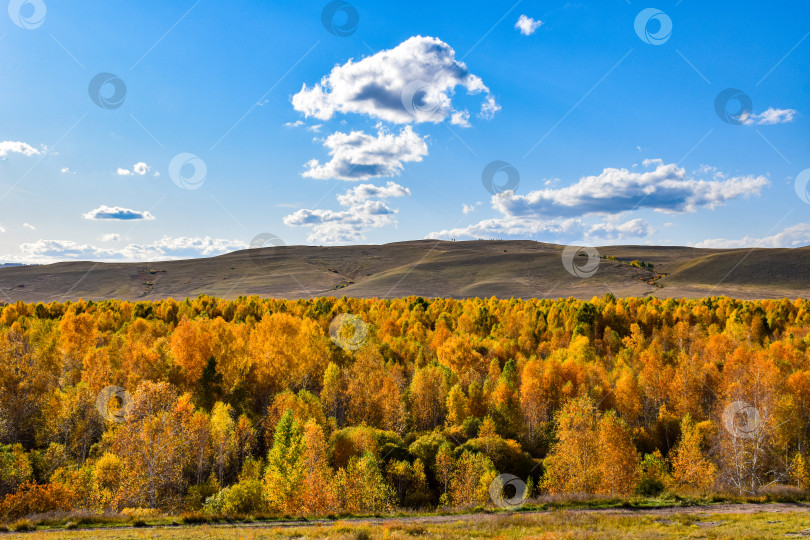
424 267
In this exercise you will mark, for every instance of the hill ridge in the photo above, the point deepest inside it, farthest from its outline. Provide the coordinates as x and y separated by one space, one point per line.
430 268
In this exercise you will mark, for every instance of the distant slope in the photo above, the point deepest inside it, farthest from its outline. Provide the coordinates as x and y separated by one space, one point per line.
428 268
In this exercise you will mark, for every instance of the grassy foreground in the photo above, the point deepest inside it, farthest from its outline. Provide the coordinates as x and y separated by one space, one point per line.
725 521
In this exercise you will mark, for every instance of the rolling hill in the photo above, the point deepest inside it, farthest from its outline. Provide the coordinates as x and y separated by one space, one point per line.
429 268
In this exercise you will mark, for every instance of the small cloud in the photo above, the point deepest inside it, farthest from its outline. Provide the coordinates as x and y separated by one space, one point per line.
359 156
316 128
297 123
635 228
139 168
118 214
29 227
167 248
17 147
488 108
66 170
527 26
794 236
112 237
469 208
770 116
366 208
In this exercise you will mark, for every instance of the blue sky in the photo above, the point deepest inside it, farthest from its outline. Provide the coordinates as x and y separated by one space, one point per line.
252 117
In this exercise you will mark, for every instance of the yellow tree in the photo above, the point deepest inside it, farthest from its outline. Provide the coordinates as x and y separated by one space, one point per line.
71 419
374 392
191 348
151 444
223 439
471 478
572 463
458 354
751 448
444 469
617 455
24 384
318 484
333 393
287 352
531 406
229 348
457 406
245 439
505 402
77 335
362 487
692 472
628 398
429 397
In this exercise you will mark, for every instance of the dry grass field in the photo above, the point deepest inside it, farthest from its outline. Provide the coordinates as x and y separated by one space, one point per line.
430 268
722 521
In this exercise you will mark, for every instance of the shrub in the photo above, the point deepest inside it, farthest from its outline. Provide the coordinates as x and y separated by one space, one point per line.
23 525
650 487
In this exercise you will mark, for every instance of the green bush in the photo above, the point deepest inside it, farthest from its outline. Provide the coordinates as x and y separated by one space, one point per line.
650 487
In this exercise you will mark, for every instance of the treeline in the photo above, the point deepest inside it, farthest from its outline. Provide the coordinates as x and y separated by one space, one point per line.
255 405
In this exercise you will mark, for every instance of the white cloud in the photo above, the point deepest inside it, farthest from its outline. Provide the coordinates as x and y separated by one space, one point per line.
527 26
770 116
167 248
364 192
489 107
635 228
359 156
139 168
363 213
555 214
413 82
668 188
552 230
17 147
29 227
794 236
315 128
111 237
117 213
469 208
511 226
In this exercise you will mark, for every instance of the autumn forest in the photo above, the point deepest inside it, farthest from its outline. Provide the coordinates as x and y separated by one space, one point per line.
330 406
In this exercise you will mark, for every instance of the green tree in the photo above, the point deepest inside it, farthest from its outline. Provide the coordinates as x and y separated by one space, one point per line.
285 468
